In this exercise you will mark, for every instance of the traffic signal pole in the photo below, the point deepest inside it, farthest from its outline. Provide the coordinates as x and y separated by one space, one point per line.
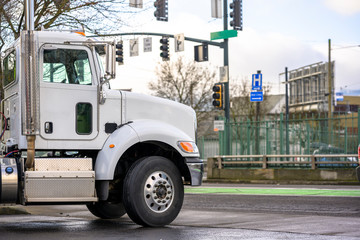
226 85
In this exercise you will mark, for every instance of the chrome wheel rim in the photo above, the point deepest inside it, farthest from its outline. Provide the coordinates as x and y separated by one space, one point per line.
158 191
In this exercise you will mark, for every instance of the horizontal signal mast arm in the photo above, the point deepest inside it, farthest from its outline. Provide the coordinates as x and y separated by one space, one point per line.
218 44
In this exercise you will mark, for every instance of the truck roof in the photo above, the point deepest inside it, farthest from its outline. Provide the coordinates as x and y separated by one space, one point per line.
59 36
53 36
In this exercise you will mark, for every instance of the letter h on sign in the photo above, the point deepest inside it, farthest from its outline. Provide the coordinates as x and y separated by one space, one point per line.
256 82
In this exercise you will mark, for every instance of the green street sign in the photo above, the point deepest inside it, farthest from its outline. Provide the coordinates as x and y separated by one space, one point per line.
223 34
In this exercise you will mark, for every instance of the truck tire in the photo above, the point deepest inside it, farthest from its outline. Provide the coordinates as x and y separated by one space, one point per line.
106 210
153 191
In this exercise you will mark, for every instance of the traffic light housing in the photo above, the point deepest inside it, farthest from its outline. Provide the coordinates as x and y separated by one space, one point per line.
201 53
164 41
236 15
161 12
119 53
218 95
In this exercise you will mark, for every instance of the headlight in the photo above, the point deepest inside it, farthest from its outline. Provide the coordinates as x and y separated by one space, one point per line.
188 147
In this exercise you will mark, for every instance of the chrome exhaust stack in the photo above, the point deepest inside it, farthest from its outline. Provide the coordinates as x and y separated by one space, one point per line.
30 87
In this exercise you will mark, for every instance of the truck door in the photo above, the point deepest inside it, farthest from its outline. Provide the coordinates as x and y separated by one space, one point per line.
68 93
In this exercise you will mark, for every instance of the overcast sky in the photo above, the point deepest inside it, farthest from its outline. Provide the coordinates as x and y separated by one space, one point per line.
276 34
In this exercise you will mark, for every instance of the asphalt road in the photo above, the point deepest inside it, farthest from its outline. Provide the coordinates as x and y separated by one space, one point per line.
265 215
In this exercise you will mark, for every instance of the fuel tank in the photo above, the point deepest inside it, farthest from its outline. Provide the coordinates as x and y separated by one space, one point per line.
9 180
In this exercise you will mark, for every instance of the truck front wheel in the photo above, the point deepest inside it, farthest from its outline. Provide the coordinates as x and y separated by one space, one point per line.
153 191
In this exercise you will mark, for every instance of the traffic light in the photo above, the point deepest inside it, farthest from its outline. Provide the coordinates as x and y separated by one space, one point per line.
201 53
218 95
161 12
119 53
236 15
164 41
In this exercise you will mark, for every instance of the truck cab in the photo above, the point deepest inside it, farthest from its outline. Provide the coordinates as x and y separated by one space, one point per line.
69 138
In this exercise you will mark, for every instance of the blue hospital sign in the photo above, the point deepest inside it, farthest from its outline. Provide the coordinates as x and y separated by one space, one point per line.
256 82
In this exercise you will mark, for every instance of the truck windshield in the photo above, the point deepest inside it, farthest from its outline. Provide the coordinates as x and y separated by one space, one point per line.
66 66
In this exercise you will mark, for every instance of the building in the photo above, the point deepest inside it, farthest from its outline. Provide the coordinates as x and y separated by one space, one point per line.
349 104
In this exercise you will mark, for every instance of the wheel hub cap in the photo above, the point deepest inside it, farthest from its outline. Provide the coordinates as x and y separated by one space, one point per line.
158 191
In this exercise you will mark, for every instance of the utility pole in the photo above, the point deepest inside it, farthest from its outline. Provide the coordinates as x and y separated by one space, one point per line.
287 112
330 92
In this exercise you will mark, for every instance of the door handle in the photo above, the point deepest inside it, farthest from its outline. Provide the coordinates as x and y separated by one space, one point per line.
48 127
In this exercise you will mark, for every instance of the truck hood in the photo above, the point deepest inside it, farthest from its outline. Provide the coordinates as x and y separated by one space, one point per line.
140 106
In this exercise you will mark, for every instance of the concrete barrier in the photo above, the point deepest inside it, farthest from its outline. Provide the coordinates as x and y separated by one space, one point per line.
343 176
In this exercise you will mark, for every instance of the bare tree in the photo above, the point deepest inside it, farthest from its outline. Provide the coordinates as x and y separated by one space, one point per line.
186 82
93 15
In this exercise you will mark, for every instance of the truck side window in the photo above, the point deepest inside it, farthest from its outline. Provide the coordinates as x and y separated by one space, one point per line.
9 71
66 66
84 118
54 72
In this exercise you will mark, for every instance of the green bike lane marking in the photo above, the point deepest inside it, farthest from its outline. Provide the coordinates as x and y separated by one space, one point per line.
268 191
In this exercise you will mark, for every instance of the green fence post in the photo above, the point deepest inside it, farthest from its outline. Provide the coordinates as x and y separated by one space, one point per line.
267 138
307 138
231 138
281 134
358 126
346 140
248 136
203 147
221 152
240 125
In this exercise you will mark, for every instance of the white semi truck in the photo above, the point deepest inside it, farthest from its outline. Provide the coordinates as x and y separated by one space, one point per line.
68 138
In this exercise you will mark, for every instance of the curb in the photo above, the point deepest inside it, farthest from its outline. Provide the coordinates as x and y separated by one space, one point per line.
281 182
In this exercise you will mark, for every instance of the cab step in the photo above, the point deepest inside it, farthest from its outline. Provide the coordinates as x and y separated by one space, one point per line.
58 180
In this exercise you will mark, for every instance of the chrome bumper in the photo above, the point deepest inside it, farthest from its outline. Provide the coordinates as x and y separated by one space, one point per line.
196 169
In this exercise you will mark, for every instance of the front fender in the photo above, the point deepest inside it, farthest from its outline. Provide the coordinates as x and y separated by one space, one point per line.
132 133
152 130
106 161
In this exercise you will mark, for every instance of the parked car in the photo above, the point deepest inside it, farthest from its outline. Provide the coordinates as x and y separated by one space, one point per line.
316 145
311 150
333 150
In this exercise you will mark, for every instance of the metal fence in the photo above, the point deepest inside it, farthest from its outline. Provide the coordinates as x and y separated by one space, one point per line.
208 147
310 134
